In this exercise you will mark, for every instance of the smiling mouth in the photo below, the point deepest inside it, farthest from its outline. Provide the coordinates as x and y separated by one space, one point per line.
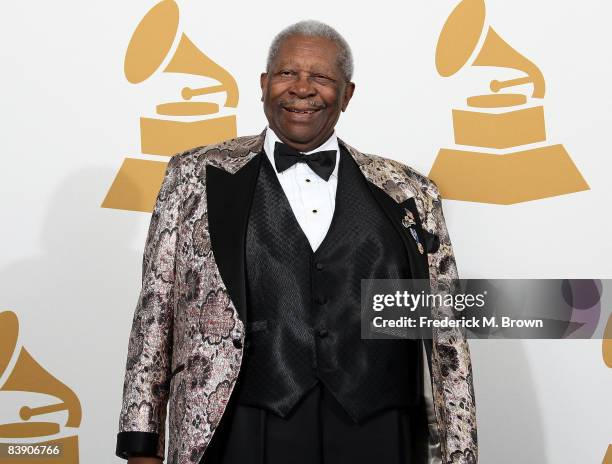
302 111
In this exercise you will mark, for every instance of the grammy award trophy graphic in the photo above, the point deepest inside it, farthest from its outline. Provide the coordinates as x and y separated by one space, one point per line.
31 440
178 125
502 155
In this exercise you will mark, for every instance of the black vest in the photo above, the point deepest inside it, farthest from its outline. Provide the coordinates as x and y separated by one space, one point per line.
304 308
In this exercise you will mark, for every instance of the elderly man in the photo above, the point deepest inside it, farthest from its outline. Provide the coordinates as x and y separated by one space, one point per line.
248 323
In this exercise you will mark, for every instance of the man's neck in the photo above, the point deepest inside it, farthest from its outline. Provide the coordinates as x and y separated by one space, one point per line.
303 148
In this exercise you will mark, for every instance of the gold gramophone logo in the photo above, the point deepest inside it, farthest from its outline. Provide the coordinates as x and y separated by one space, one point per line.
48 442
503 157
179 125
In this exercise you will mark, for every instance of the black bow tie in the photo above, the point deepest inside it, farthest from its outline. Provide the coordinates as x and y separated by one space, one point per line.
321 162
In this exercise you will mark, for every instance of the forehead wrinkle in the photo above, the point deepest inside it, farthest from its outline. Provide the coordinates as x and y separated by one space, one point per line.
293 51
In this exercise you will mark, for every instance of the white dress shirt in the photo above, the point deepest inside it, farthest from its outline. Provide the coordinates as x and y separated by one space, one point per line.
311 198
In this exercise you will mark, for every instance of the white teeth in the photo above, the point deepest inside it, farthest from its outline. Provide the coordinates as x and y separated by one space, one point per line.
302 111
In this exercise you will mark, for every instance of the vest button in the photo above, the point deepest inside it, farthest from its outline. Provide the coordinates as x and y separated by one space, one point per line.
322 333
237 342
319 266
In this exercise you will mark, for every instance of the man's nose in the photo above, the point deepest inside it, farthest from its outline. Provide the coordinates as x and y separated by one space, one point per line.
302 86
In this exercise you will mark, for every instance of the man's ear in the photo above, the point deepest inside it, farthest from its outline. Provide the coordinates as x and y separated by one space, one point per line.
263 82
349 89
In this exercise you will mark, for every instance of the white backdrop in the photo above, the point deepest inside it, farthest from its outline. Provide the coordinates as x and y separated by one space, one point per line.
70 270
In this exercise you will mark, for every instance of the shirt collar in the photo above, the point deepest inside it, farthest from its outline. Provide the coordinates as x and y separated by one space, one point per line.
330 144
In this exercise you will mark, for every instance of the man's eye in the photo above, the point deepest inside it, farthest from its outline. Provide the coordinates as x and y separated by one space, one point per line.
322 79
286 73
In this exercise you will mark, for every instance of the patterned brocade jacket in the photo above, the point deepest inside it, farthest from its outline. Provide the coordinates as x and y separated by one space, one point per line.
186 343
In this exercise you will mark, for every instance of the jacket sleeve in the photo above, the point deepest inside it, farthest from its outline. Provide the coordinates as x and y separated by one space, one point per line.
145 389
450 365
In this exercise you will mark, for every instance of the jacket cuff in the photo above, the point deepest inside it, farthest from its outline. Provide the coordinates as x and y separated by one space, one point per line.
143 444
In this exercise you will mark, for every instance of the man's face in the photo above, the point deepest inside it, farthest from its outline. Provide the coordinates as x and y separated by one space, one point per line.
305 91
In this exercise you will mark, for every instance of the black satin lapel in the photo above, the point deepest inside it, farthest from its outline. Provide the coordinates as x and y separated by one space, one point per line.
229 198
395 211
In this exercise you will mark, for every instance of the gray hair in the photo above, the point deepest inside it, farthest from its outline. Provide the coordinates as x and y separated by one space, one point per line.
312 28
